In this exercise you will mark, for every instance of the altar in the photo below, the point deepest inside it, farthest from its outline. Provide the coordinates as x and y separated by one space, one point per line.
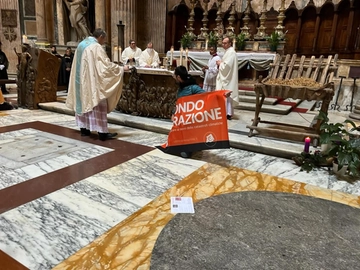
259 61
150 92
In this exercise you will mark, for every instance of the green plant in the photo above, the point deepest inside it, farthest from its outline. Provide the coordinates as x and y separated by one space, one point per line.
309 161
240 41
332 132
344 149
187 39
274 40
213 39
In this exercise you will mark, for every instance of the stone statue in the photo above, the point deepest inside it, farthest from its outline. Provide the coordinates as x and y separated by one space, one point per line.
77 10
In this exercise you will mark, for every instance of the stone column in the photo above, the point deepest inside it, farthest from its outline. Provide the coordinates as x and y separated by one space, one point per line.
100 14
60 22
40 22
156 16
125 11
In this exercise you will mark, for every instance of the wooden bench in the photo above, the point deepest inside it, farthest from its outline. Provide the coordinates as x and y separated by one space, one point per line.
288 67
7 81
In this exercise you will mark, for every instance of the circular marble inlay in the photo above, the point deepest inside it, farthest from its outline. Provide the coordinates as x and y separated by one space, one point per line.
261 230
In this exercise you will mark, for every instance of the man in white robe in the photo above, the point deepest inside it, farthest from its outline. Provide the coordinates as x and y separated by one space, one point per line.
95 86
227 77
211 71
131 54
149 57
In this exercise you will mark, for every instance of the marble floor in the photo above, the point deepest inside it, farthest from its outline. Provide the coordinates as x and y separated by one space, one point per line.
72 202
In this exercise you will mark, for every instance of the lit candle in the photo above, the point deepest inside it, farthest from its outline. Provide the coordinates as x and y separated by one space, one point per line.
181 55
24 39
234 42
206 44
307 144
171 54
186 58
115 54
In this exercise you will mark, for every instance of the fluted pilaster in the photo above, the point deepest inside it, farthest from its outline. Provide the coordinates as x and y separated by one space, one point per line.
156 16
123 10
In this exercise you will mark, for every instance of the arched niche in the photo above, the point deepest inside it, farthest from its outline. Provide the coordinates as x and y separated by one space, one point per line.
291 29
324 39
307 30
199 15
343 12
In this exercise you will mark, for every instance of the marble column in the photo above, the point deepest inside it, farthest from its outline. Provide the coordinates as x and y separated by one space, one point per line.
40 22
100 14
60 22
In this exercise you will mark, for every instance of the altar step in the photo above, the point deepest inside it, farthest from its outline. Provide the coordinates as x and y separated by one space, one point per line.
247 101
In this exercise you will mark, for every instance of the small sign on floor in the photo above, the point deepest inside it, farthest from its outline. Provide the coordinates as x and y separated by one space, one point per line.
182 205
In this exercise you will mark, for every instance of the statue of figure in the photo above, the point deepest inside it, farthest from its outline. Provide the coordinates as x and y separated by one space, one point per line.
77 10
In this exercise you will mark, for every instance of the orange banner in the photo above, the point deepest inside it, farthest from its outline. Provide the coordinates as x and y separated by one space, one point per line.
199 123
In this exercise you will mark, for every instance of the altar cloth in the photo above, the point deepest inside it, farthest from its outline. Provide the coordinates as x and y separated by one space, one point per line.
257 60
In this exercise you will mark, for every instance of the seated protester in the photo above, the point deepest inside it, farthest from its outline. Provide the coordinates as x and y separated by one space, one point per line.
131 54
149 57
187 87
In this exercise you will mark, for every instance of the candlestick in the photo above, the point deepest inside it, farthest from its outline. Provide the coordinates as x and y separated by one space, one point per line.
25 39
186 58
181 55
171 54
115 54
307 144
119 52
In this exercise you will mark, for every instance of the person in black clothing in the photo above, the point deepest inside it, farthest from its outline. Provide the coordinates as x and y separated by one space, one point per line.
66 65
4 64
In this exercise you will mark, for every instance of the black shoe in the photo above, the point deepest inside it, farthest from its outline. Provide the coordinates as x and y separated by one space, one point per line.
85 132
186 154
229 117
105 136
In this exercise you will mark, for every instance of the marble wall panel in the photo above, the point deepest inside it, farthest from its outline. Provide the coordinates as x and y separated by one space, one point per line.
8 46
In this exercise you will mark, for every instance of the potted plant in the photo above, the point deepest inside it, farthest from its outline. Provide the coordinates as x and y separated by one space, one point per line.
273 40
347 154
186 40
213 39
240 41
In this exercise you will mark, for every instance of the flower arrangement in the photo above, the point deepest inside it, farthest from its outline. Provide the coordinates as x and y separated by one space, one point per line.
213 39
187 40
273 40
240 41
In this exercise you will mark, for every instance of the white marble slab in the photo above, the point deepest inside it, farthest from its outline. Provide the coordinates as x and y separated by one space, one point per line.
29 153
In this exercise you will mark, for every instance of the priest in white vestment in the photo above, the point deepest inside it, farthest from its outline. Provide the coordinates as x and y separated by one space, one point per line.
227 77
95 86
211 71
131 54
149 58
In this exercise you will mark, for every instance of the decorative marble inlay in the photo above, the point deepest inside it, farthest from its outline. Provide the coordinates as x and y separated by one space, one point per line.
129 244
29 153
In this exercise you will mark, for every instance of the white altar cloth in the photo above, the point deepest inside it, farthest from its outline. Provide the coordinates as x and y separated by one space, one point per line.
257 60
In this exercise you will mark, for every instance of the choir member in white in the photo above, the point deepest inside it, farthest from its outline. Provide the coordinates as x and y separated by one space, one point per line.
131 54
227 78
211 70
